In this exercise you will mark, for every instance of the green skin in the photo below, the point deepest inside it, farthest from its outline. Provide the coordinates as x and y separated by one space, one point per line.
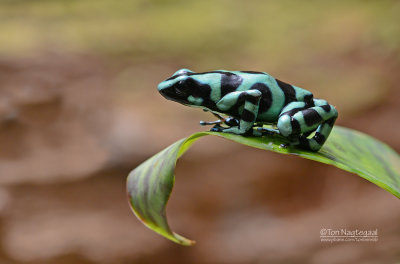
252 99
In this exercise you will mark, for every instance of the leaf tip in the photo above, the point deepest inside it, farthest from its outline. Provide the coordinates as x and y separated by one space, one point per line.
183 240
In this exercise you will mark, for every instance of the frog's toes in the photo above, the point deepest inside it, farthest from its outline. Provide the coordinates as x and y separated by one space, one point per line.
255 133
235 130
204 123
230 121
216 128
267 131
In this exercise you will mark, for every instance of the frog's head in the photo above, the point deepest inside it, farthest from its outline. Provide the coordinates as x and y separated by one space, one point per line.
176 88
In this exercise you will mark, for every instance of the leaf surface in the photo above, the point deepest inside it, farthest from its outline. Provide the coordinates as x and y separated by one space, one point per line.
150 184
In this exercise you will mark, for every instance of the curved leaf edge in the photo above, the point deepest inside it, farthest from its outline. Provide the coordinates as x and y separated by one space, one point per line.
164 230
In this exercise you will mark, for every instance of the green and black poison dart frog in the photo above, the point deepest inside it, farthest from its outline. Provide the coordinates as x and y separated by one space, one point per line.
252 99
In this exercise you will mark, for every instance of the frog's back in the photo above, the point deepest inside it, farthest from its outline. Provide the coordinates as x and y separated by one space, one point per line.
290 92
275 93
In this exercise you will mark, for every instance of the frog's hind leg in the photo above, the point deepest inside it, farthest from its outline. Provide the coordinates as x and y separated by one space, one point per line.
299 120
321 135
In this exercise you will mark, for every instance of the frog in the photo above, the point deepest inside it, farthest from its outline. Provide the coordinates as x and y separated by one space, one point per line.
255 104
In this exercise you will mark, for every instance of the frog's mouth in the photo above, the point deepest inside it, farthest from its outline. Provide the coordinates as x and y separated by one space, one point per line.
174 94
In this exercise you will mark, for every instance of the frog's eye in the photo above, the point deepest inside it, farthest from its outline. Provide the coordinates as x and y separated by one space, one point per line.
181 89
182 72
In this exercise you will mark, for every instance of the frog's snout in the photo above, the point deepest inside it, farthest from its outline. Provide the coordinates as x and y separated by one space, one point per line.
167 91
162 86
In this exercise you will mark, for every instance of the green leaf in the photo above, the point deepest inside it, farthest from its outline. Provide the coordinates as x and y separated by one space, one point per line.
149 185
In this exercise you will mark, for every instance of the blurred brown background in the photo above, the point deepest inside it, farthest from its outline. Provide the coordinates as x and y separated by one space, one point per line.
79 109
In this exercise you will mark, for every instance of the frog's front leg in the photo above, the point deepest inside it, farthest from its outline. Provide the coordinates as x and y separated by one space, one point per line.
250 101
229 121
